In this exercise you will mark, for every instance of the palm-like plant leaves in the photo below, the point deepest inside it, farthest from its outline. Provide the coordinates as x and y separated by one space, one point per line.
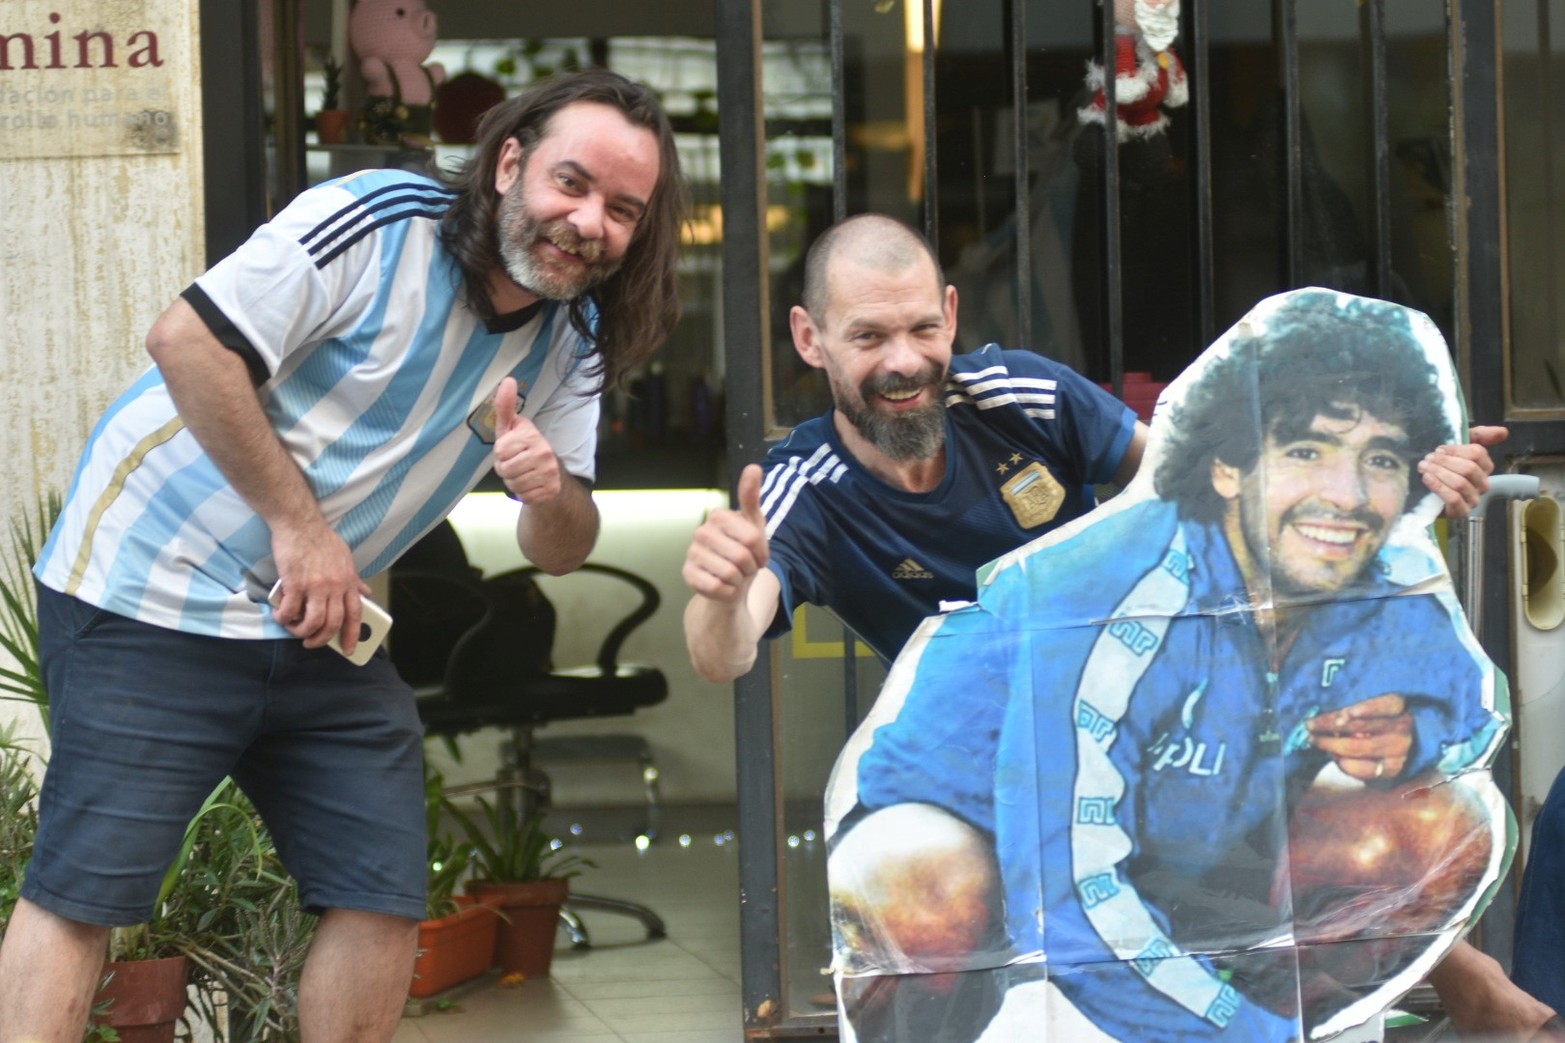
19 605
506 850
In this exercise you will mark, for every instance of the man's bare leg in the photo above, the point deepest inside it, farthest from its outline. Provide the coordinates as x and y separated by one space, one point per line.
49 970
356 979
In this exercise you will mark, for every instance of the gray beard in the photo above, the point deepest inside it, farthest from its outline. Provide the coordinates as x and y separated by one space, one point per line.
520 234
909 436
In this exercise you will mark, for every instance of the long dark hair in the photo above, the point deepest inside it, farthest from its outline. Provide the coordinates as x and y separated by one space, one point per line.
630 314
1318 357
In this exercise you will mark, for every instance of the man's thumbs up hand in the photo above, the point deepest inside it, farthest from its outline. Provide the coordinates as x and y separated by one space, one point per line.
524 459
730 546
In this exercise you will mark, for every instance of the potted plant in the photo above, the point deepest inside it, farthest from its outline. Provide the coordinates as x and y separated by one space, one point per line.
456 940
223 903
241 924
331 123
518 867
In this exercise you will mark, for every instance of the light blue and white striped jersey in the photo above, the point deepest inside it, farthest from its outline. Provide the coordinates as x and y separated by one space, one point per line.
375 375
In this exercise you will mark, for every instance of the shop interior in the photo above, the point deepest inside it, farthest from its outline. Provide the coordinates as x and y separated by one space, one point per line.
665 442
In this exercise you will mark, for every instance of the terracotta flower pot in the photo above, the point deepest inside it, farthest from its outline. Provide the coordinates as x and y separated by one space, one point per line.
532 914
331 126
148 998
455 948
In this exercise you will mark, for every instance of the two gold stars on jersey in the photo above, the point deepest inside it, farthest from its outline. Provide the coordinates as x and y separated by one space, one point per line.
1033 494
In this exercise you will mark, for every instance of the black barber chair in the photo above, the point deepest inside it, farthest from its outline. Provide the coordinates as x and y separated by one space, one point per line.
478 653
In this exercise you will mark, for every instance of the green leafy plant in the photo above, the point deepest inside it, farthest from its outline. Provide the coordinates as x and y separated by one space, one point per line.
18 820
239 921
184 898
331 91
19 604
228 905
97 1031
507 848
448 858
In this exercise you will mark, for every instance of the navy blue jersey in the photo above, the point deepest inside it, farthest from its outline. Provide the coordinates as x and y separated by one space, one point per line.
1026 441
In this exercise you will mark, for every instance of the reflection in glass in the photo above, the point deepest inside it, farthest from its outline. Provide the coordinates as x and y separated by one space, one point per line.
813 724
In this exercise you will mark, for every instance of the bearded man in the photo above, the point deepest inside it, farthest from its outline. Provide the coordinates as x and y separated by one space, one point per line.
321 399
928 466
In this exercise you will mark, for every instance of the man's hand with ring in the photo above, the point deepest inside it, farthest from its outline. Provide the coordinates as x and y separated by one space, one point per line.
1368 740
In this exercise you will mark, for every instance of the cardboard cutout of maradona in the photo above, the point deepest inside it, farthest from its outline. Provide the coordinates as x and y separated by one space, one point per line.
1210 763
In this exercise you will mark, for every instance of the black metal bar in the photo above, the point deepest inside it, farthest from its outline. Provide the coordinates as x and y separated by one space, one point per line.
233 124
1113 263
1478 221
976 116
288 100
741 144
839 115
931 183
1479 227
1197 70
1016 16
1285 32
1372 38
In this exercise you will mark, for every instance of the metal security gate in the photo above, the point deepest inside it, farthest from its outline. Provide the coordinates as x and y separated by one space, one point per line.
1349 145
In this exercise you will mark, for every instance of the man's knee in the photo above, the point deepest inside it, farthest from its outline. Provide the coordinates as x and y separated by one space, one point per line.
31 921
363 923
914 887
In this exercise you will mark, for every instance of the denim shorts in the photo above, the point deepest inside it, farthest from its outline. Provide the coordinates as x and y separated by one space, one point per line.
146 721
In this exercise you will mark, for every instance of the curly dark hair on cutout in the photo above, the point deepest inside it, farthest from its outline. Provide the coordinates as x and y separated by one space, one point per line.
1316 357
631 313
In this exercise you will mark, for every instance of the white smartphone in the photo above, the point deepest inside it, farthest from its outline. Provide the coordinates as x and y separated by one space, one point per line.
374 622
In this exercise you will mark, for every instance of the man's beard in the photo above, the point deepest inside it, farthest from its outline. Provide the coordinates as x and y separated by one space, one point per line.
916 435
521 238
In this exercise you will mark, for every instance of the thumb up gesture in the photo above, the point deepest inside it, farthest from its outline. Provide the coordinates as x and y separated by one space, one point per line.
524 459
730 546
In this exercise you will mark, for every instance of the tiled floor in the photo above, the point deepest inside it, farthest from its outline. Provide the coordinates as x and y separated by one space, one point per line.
625 989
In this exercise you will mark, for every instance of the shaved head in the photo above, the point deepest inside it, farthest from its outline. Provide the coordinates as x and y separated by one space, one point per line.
872 240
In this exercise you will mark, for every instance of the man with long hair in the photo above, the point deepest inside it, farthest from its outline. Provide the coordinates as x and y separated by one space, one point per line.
321 399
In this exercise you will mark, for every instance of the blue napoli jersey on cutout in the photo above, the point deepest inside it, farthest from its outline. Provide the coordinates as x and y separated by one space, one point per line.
1136 813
